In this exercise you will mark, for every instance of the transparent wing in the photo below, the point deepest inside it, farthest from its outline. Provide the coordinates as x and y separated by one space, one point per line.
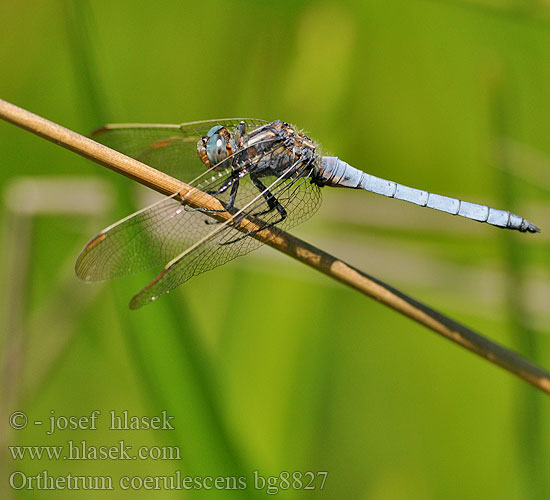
147 238
168 148
154 235
296 195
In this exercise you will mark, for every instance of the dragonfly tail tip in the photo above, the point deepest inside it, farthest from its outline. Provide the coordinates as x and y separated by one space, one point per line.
530 227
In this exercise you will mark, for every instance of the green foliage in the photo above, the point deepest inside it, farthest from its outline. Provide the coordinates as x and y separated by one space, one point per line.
264 364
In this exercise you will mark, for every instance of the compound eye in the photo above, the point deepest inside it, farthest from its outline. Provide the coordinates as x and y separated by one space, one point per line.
215 146
214 130
216 149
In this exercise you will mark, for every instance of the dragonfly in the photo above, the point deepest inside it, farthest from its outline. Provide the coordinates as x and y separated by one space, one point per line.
266 175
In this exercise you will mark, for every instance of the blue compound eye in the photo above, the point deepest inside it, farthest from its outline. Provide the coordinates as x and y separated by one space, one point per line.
216 148
215 129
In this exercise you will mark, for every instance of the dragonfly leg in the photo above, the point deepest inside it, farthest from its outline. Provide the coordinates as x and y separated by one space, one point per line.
228 182
233 181
273 204
230 203
233 194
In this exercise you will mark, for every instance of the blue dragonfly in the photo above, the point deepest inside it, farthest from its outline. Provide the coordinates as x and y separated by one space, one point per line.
268 174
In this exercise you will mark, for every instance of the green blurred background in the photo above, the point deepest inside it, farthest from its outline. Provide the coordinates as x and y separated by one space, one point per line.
265 364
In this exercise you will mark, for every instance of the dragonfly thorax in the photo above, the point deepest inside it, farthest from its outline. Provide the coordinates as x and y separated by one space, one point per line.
278 149
273 149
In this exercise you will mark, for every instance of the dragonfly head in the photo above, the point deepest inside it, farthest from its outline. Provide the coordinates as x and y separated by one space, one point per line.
215 147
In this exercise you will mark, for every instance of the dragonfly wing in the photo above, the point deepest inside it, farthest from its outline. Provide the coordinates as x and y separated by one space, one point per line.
168 148
148 238
154 235
298 197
